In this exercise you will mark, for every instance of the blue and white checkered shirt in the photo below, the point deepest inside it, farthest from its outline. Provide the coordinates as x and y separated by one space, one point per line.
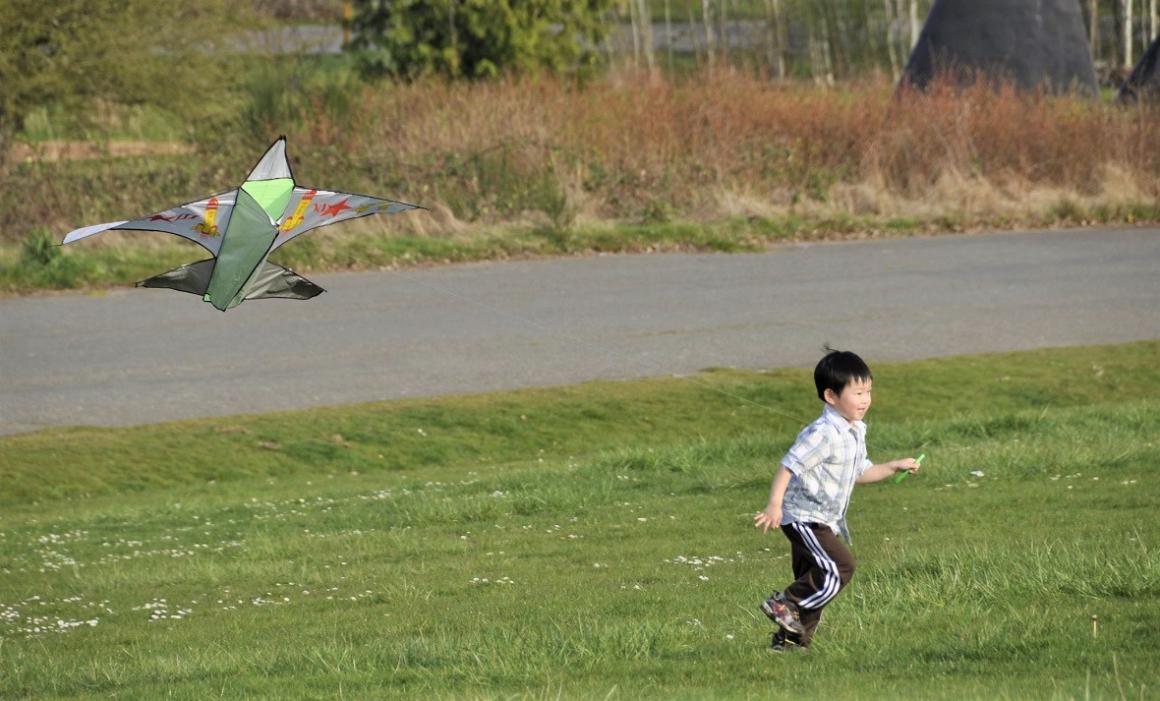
826 459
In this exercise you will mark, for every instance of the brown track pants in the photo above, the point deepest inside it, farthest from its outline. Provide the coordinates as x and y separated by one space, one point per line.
823 565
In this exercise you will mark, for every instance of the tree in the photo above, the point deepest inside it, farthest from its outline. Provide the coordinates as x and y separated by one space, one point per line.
73 54
477 38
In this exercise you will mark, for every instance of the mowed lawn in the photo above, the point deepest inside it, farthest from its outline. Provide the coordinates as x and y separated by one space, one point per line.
596 542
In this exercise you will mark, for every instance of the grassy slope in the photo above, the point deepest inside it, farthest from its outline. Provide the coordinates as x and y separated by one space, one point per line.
592 541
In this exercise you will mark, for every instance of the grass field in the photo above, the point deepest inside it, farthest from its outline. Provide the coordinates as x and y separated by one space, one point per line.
594 541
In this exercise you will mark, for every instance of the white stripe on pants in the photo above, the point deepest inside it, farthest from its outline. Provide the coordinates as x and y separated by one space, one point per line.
831 582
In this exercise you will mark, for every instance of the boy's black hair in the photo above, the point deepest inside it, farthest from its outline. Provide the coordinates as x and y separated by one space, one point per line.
836 369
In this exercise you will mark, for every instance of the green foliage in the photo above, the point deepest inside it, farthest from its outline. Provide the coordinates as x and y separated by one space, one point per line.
285 94
40 248
477 38
82 57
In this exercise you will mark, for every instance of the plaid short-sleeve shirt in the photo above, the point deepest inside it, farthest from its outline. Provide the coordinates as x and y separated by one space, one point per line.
827 458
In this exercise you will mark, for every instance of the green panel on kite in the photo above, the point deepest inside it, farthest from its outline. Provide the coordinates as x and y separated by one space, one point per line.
273 195
245 245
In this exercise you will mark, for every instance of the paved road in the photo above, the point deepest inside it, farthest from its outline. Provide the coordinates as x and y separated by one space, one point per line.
139 356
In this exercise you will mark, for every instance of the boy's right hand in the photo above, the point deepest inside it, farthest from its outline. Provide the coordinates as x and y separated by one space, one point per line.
769 518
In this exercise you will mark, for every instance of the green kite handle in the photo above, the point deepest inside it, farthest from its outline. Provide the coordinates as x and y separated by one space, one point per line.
902 475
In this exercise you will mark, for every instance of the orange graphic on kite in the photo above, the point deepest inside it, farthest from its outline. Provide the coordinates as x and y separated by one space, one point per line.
209 226
299 211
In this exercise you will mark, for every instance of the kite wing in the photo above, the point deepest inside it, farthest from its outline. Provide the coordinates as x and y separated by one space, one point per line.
202 222
311 208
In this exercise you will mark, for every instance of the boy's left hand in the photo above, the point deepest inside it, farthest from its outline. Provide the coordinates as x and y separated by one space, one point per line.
909 464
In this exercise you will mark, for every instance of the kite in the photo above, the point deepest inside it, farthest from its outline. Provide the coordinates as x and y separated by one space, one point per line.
242 227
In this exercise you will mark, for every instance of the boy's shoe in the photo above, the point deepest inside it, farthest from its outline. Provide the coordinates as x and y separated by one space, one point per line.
783 613
783 641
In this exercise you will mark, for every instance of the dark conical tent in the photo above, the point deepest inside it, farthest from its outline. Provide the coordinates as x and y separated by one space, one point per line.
1031 43
1144 82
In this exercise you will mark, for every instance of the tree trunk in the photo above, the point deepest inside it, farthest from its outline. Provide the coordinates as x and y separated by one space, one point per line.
1127 5
644 20
710 42
632 21
1094 28
693 35
821 65
669 35
915 27
723 32
770 35
827 51
1153 21
895 70
780 38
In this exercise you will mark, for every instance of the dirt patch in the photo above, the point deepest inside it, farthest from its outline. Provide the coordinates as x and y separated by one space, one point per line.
88 150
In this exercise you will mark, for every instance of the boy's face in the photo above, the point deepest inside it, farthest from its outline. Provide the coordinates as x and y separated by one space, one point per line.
853 402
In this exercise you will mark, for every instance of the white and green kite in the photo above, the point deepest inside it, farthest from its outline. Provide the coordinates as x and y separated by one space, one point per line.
242 227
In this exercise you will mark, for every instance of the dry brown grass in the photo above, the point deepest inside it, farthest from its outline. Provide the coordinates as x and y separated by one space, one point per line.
639 148
739 145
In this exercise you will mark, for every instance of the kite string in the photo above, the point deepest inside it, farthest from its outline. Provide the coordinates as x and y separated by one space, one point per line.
600 350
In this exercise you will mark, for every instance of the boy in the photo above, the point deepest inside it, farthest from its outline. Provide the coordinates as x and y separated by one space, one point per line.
811 492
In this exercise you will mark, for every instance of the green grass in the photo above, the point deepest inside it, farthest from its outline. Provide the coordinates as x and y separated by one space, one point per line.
22 270
594 541
28 266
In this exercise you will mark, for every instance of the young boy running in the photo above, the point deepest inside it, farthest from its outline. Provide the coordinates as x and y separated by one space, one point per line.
811 492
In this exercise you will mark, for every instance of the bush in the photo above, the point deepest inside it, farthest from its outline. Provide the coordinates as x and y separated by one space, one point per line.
477 39
39 248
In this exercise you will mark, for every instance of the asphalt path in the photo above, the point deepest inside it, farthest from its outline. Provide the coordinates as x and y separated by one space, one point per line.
135 356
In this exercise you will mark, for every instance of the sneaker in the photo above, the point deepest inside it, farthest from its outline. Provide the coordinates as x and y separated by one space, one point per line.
782 641
783 613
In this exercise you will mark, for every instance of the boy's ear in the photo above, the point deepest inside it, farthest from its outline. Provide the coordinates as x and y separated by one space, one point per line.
829 396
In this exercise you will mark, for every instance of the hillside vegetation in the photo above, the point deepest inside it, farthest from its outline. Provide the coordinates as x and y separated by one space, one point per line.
541 166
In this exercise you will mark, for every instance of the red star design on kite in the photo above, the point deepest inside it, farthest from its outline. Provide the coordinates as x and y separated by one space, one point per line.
334 210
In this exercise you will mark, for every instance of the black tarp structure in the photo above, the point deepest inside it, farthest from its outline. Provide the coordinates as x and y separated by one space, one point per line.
1144 82
1031 43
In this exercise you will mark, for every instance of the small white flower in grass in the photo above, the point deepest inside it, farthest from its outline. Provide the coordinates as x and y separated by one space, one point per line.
728 636
703 578
976 473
